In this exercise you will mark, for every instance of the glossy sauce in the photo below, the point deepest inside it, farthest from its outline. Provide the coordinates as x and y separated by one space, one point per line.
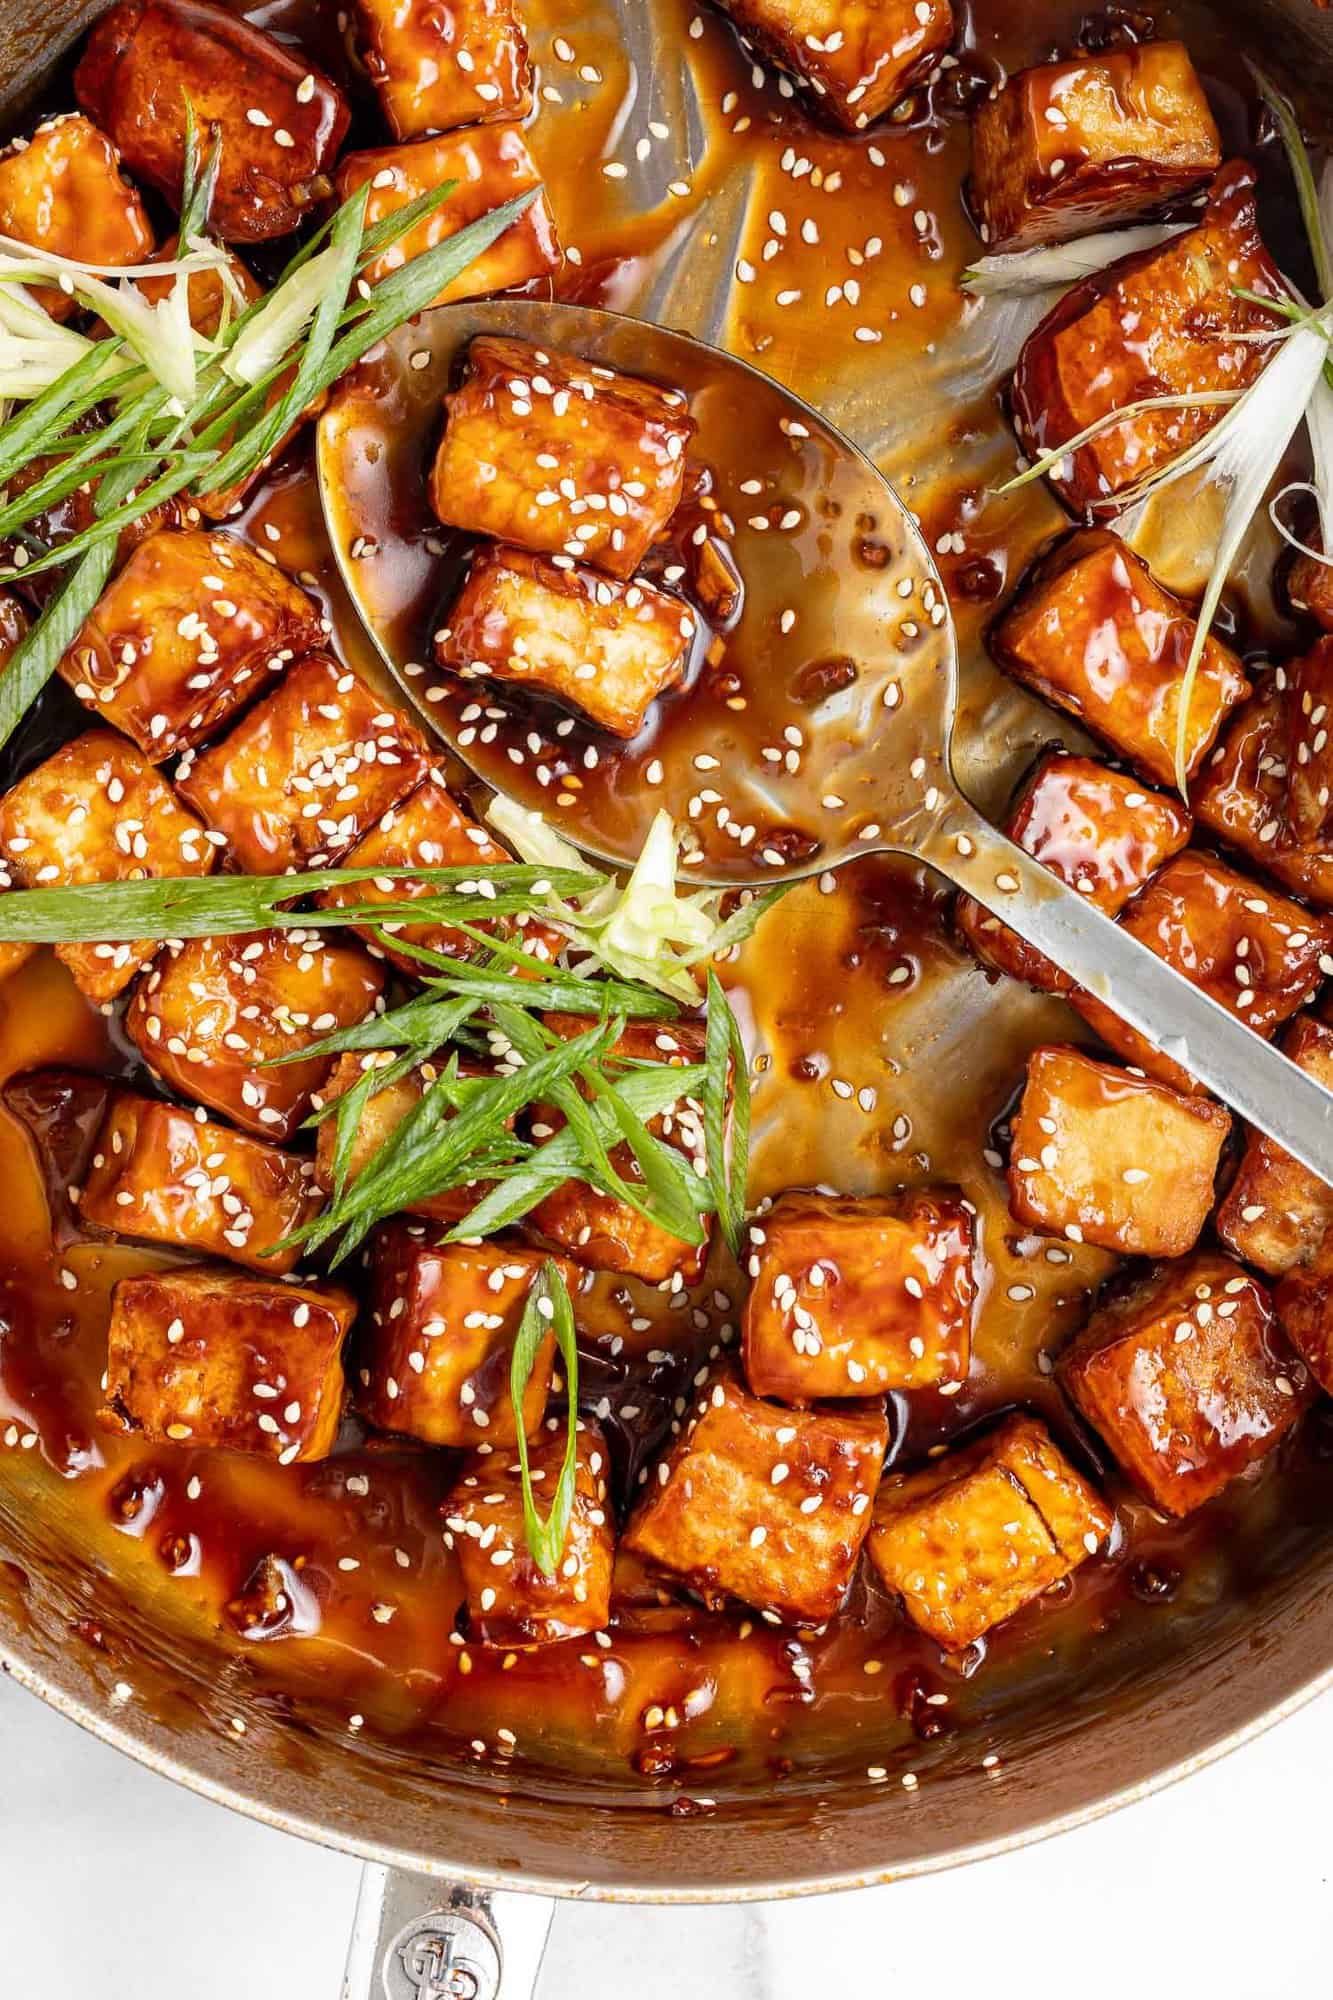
882 1056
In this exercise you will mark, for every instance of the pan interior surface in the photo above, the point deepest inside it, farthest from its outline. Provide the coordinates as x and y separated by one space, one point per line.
1044 1734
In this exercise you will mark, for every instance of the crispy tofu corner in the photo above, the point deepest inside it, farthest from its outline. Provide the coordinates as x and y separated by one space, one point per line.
1276 1212
62 191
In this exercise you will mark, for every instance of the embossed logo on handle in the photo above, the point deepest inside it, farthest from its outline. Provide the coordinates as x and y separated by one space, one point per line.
444 1956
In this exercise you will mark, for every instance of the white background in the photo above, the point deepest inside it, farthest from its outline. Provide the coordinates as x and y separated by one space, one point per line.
116 1885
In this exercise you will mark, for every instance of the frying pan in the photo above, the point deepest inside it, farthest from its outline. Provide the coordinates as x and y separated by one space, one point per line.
446 1848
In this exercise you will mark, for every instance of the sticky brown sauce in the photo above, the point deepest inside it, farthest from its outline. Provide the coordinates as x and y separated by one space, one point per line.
881 1054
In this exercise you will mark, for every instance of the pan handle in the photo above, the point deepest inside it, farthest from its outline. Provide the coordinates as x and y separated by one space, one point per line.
423 1937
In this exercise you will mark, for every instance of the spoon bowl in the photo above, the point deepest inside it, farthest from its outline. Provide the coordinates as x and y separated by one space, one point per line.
816 722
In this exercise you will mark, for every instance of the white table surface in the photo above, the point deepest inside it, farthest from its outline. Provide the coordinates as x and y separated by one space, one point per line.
115 1883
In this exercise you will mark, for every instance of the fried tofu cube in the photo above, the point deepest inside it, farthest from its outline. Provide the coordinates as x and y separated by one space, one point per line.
1096 634
1276 1211
1098 830
600 1231
1103 1156
1240 797
62 192
1165 322
430 830
1070 147
1309 747
605 648
384 1111
1310 587
213 1016
559 455
853 1295
1304 1302
974 1536
491 165
510 1601
214 1358
98 812
212 298
184 635
1187 1377
858 57
762 1503
280 121
441 63
436 1351
162 1174
1254 951
307 772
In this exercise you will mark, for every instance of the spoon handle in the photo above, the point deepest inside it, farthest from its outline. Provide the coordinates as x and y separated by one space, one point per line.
1254 1079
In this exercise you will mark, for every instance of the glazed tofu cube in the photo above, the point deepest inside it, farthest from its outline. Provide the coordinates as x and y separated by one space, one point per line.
857 59
213 1016
717 1512
307 772
853 1295
384 1111
62 192
1103 1156
608 649
1256 952
210 1357
1309 747
436 1352
280 121
162 1174
596 1229
429 830
184 635
1070 147
1166 322
1099 831
560 456
441 63
1304 1302
213 299
510 1602
1276 1212
1187 1377
1240 797
98 812
491 165
1310 587
1096 634
974 1536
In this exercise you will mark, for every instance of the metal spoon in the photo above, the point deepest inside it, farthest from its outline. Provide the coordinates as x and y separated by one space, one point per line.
842 661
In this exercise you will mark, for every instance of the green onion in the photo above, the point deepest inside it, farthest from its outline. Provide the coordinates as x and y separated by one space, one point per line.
1299 160
192 906
649 1092
548 1310
725 1062
1202 399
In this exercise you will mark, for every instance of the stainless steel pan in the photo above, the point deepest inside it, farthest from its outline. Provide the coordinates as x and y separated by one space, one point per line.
445 1847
